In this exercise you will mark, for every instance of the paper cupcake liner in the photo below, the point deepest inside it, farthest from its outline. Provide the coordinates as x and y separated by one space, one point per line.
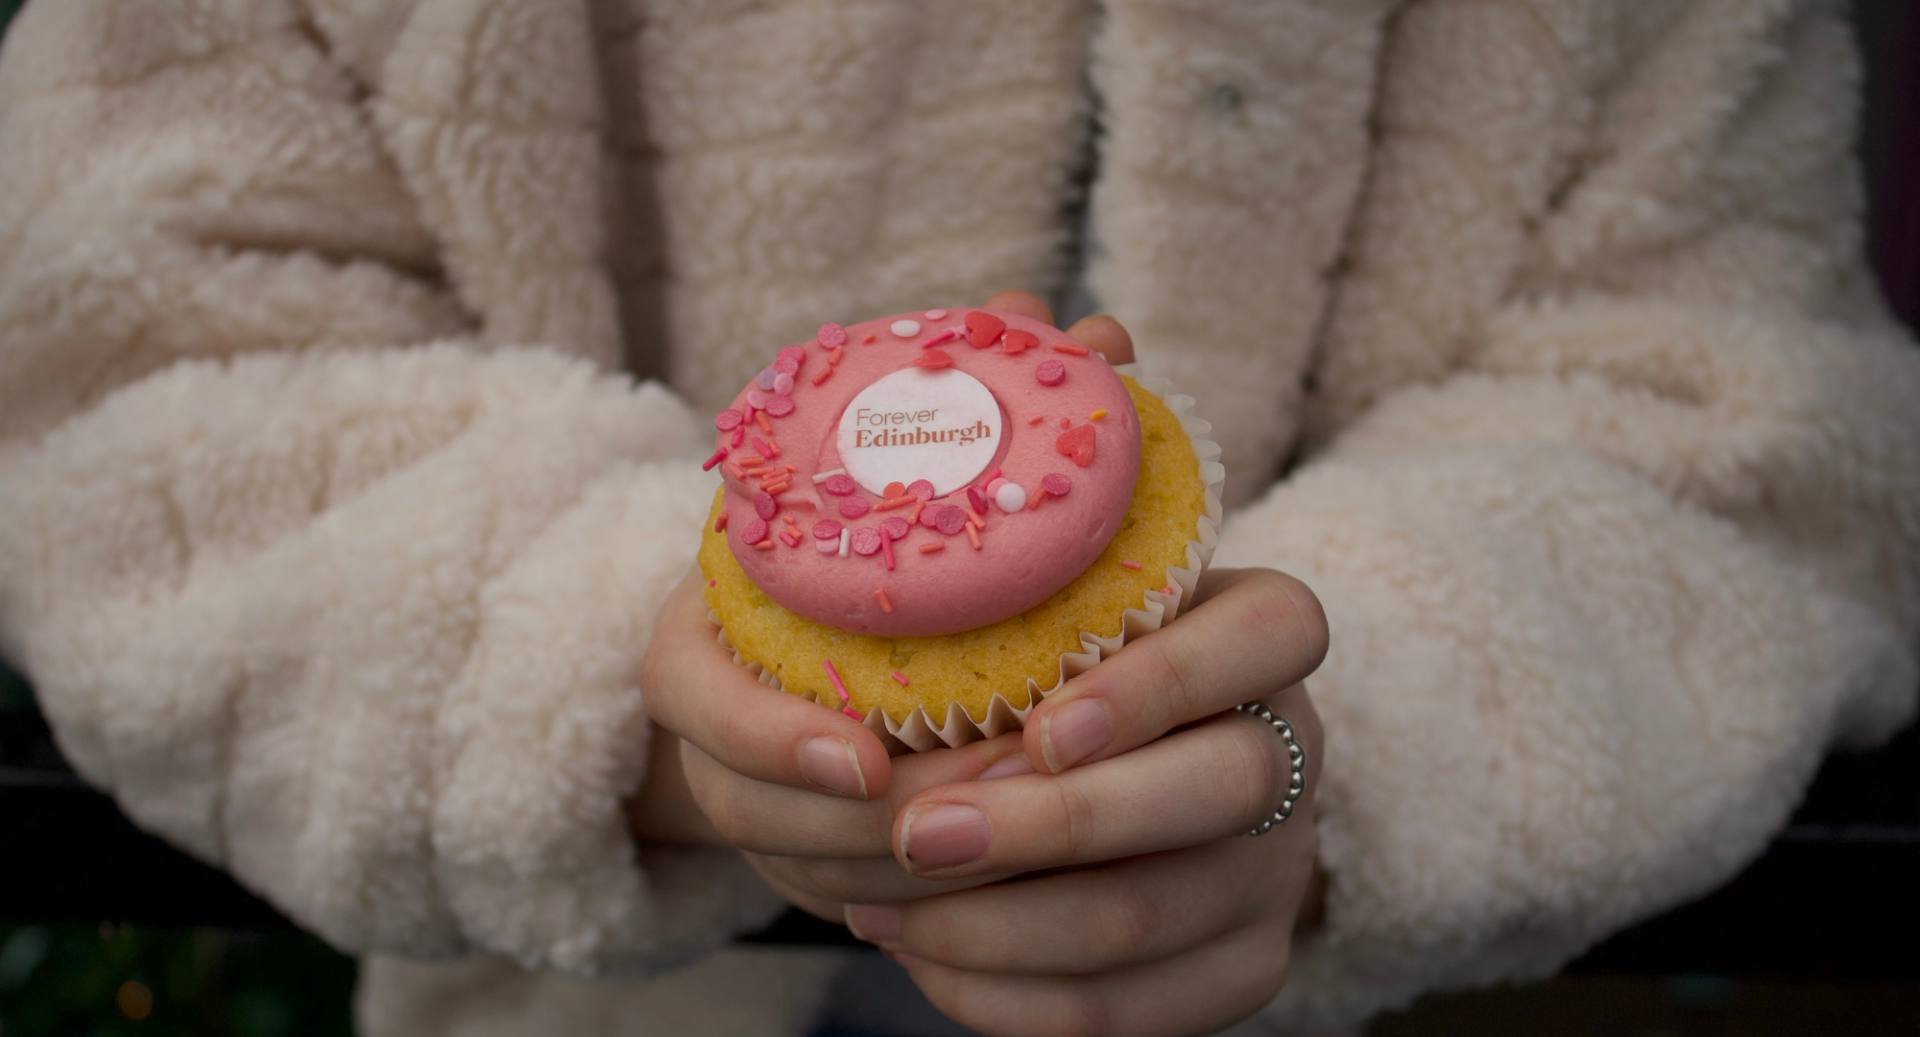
920 733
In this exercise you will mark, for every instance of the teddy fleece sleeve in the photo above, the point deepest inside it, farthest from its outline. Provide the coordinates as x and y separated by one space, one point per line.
1617 523
356 620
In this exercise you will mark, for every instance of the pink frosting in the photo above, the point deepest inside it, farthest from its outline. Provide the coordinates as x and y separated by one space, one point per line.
1024 556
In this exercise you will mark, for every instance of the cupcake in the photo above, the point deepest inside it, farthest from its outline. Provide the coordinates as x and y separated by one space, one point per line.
932 520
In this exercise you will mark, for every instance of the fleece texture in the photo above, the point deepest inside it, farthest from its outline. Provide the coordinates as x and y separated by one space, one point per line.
331 528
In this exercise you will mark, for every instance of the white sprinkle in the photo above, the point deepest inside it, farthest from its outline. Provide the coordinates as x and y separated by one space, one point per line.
936 315
906 328
845 535
1010 497
824 476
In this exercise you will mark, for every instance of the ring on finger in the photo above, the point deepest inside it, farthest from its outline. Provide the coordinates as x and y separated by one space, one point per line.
1296 760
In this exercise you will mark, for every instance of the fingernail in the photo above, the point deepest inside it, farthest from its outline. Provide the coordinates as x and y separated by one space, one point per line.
944 836
874 923
1007 767
1077 731
830 763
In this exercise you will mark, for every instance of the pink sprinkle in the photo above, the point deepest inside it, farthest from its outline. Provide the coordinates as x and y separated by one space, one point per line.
713 583
757 399
1036 419
718 456
834 676
1051 372
828 546
993 488
1128 563
1168 589
840 485
720 523
1070 348
792 538
754 532
739 435
826 529
765 450
946 336
783 383
831 335
780 406
930 517
932 315
764 505
898 678
895 527
797 355
976 498
786 366
852 712
867 541
728 420
948 519
991 476
853 508
1055 484
886 552
880 595
921 489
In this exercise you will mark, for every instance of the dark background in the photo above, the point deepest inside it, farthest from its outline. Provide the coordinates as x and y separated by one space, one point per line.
104 930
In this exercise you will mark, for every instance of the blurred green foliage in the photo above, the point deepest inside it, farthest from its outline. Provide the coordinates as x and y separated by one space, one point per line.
109 981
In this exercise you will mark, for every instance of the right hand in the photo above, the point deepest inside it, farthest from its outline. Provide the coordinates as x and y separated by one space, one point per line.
809 794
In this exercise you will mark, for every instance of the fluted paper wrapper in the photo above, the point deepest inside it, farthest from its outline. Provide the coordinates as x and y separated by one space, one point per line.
921 733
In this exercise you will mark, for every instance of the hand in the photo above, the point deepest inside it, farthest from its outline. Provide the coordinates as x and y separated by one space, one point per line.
1186 925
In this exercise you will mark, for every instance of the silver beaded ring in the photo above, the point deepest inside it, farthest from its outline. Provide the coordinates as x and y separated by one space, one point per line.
1296 756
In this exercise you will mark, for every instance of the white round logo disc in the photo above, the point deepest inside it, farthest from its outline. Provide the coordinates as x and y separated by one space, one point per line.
940 425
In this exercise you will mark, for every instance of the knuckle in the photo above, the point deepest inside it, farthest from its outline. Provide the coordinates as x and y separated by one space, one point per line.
1280 604
1077 821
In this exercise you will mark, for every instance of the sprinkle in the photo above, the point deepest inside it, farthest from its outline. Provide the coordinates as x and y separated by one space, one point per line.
905 328
830 335
763 545
824 476
895 528
886 552
976 501
720 524
921 489
718 456
902 501
834 357
993 486
765 381
933 547
933 315
782 383
880 595
854 507
1036 419
844 536
897 678
852 712
1078 444
824 374
754 532
892 490
756 399
761 420
983 328
991 476
728 420
1017 342
776 488
739 436
764 469
775 444
979 521
933 359
1128 563
827 529
751 460
795 355
1069 348
781 406
734 470
1010 497
765 506
713 583
827 546
792 538
930 518
765 449
1097 415
840 484
834 676
946 336
1034 503
791 522
914 516
1055 484
868 340
949 519
867 541
1168 589
974 537
1050 373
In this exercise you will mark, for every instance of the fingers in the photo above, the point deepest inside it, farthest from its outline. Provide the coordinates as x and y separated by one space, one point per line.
1205 783
693 688
1254 632
1103 335
1202 991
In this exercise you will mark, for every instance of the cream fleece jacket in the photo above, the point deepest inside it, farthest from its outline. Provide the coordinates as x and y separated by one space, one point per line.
330 538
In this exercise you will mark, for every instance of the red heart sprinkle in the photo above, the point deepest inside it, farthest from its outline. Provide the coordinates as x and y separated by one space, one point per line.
1077 443
983 328
933 358
1018 342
